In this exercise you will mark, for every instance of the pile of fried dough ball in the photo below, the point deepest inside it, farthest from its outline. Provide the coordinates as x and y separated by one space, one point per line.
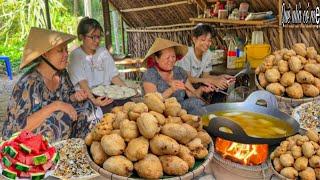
298 155
152 137
294 72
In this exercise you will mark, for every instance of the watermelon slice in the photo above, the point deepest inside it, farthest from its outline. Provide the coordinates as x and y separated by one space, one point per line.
11 151
34 143
47 166
40 159
6 161
37 176
25 174
22 167
9 174
25 148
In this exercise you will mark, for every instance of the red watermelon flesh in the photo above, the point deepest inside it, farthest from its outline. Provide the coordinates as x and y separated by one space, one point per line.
25 174
47 166
34 143
24 136
21 157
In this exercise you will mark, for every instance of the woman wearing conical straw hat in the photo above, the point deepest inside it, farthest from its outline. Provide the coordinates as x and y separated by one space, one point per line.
44 100
170 80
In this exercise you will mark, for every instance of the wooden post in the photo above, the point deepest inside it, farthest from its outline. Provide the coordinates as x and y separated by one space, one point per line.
123 39
107 24
46 3
281 43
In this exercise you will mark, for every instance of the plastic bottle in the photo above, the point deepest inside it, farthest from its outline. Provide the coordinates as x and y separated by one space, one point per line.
231 55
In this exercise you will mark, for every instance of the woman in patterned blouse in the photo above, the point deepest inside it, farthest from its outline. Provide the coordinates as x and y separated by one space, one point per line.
44 100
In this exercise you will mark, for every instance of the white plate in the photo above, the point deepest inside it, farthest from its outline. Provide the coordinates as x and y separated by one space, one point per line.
99 90
296 113
119 92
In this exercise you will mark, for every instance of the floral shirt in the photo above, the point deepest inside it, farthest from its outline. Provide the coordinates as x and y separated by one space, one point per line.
30 94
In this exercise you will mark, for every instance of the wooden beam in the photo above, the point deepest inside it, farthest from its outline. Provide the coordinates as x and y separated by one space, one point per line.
124 18
160 30
123 39
281 41
107 22
46 3
170 26
155 6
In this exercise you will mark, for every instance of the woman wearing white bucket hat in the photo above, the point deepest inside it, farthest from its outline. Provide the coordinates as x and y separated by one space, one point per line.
170 80
44 100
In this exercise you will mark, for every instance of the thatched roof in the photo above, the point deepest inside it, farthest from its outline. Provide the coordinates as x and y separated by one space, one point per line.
175 14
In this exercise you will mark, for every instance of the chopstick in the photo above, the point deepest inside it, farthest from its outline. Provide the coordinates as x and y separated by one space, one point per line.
196 95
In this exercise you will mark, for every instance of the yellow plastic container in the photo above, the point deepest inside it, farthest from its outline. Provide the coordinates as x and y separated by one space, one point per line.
256 53
239 62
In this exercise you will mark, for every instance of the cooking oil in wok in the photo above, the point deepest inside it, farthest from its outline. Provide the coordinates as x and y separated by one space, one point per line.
255 124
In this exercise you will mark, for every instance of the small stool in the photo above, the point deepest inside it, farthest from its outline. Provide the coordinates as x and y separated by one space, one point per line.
6 59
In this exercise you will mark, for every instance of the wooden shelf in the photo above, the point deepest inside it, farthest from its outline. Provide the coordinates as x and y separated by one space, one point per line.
235 22
142 69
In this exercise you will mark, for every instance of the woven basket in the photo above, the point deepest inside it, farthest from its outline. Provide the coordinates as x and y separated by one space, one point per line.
190 175
293 102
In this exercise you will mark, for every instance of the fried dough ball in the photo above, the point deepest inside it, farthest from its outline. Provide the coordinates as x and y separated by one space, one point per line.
283 66
287 79
311 53
317 83
317 172
193 121
307 174
307 149
276 88
288 54
314 161
100 130
312 135
173 165
137 149
312 61
200 153
305 77
113 144
108 119
160 118
176 120
289 172
310 90
128 106
302 59
296 151
98 155
116 109
286 160
295 64
301 163
262 80
88 139
173 108
116 131
186 155
191 133
154 102
300 49
318 58
119 165
137 110
164 145
147 125
260 69
277 165
175 131
195 144
149 167
270 60
120 116
204 137
129 130
313 69
272 75
295 91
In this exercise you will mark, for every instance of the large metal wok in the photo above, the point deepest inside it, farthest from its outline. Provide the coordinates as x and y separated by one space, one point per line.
251 104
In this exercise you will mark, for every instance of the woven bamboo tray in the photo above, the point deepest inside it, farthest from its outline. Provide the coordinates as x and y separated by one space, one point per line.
294 102
199 167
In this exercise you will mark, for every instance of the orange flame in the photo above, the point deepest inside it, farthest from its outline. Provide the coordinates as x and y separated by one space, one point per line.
248 154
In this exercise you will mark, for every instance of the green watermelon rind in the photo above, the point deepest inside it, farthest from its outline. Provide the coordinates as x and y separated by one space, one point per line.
6 161
9 174
40 159
56 158
22 167
11 151
25 148
14 136
37 176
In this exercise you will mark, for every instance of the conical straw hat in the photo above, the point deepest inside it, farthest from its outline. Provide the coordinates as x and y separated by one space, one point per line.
40 41
160 44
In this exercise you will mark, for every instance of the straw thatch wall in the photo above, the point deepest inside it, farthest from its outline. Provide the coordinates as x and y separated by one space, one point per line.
141 36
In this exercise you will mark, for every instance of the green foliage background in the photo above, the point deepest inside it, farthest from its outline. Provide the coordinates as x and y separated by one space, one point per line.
18 16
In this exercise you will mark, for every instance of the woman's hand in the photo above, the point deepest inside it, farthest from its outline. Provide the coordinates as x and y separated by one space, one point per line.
67 108
219 83
79 96
228 78
177 85
102 101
